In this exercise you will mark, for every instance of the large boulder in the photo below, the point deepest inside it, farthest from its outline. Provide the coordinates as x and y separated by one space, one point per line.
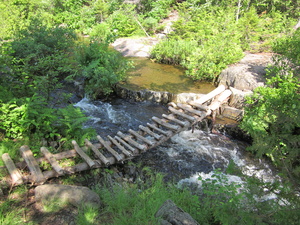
75 195
247 74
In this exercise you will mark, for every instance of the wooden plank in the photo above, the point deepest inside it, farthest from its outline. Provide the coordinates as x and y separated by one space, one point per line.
217 102
32 164
125 152
198 106
52 161
99 155
148 131
140 137
111 150
210 95
172 118
166 133
132 142
128 146
164 124
15 174
190 109
183 115
83 155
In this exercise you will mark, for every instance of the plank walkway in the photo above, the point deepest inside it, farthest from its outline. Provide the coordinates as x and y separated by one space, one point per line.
116 149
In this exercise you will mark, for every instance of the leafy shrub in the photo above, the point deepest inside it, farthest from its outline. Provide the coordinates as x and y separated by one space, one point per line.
102 33
204 42
248 200
272 117
289 46
101 68
124 22
173 51
38 58
207 61
31 118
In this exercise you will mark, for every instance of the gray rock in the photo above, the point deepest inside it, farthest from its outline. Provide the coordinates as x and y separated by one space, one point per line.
248 74
238 98
232 113
169 213
185 97
75 195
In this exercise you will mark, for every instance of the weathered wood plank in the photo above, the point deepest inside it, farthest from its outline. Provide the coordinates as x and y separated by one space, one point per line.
172 118
140 137
83 155
151 133
166 125
128 146
52 161
166 133
132 142
32 164
125 152
100 156
189 109
15 174
108 148
218 101
198 106
183 115
210 95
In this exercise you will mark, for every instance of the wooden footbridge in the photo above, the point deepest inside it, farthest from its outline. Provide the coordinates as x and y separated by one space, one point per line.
115 149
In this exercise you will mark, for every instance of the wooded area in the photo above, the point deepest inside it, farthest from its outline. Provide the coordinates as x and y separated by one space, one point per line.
47 44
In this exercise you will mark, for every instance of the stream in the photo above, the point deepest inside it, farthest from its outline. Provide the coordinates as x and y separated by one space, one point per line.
189 154
186 156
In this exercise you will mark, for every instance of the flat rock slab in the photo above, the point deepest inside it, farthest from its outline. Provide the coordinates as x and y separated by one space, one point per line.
75 195
139 47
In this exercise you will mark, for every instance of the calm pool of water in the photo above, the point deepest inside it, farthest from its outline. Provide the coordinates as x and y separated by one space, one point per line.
162 77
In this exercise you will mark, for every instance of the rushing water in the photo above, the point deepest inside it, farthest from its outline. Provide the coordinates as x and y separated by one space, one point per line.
118 115
187 155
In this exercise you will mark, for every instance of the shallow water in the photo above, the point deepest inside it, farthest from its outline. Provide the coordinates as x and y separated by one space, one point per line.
161 77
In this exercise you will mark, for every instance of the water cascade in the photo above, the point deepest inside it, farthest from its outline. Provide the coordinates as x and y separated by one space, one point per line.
186 156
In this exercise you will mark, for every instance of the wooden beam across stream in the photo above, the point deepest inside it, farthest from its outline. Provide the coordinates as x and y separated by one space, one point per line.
118 149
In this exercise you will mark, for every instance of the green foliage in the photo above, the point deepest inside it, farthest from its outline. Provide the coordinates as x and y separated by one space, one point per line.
219 32
157 9
101 68
138 203
123 22
87 215
289 46
204 42
251 201
173 51
103 33
31 118
272 117
207 61
38 59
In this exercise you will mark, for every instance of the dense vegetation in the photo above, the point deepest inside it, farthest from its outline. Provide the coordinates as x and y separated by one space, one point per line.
272 117
42 49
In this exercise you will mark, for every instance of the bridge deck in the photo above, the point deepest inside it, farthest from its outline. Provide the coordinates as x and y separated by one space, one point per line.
119 148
